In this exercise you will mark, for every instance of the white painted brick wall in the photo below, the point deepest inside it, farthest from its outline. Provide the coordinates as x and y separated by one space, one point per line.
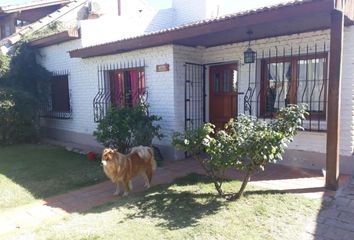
305 141
347 94
166 89
83 80
182 55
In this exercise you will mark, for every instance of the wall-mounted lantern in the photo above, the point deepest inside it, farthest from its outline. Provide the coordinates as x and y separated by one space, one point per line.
249 54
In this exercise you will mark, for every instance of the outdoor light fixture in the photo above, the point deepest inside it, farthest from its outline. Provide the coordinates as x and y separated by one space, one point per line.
249 54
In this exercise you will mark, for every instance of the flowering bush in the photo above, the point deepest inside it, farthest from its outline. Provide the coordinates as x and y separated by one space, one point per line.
246 144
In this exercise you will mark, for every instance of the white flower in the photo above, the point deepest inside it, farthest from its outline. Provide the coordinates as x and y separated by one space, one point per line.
206 142
186 141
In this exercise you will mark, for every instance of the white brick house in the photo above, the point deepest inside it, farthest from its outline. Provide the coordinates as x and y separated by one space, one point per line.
206 65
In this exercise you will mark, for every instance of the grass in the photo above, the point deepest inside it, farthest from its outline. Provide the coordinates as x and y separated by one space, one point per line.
30 172
188 209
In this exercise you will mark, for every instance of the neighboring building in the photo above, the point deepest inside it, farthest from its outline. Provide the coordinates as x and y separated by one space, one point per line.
15 17
195 72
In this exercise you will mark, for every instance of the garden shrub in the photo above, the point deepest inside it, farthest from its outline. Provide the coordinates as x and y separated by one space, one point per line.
4 66
18 117
246 144
27 75
24 88
124 128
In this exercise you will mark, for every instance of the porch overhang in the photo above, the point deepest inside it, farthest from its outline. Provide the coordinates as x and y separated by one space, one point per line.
285 19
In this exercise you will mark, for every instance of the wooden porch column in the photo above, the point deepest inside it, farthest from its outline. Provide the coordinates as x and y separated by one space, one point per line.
334 92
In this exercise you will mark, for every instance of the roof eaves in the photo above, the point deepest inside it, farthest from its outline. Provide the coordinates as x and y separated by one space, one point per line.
56 38
31 5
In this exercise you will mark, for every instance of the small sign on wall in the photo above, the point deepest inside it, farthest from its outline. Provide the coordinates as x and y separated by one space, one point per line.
163 67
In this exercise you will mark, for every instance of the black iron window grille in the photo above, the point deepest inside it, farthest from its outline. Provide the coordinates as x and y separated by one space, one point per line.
194 95
59 102
290 76
119 85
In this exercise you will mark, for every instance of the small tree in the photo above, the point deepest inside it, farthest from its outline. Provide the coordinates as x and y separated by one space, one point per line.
123 128
246 144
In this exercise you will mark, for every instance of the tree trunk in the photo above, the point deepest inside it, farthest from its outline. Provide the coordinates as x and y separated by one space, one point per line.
243 186
212 175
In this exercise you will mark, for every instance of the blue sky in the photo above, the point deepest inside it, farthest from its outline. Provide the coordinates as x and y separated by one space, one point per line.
229 5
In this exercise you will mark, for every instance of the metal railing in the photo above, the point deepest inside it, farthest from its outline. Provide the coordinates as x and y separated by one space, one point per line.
289 76
49 110
118 87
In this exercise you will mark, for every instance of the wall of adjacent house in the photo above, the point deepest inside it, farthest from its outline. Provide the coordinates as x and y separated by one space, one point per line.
189 11
7 26
126 26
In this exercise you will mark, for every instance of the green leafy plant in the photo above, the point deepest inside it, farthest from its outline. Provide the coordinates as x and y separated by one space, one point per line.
4 66
18 119
24 89
27 75
246 144
123 128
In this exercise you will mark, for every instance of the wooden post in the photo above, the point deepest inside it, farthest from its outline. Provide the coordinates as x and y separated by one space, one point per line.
334 92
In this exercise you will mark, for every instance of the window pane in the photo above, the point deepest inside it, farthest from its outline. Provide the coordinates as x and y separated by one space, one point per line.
127 87
227 81
311 82
234 81
216 82
279 80
116 87
60 94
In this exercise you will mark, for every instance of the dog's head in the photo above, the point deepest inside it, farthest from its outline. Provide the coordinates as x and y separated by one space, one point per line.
108 156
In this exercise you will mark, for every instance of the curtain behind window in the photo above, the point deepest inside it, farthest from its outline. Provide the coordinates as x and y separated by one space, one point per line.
311 83
279 80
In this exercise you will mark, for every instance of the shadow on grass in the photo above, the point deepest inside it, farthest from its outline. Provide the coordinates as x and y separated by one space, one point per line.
35 171
178 209
179 205
174 203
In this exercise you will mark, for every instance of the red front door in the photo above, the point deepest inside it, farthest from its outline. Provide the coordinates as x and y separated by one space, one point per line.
223 94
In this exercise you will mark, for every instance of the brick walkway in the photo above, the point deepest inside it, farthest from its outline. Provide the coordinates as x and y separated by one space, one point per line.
296 180
336 220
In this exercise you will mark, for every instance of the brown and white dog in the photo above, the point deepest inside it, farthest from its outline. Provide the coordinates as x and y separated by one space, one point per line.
122 168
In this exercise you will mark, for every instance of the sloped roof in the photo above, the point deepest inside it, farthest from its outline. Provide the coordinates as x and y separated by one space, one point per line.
41 23
287 18
18 5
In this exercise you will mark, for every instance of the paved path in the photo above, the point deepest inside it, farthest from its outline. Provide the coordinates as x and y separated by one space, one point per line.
336 220
296 180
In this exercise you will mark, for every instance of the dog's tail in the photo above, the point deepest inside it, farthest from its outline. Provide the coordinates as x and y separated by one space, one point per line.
146 153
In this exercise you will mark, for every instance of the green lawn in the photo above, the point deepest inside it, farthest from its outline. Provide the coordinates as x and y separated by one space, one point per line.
30 172
188 209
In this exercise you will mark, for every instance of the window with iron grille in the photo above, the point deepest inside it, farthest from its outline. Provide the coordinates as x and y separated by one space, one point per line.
294 80
119 85
289 75
126 86
59 105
